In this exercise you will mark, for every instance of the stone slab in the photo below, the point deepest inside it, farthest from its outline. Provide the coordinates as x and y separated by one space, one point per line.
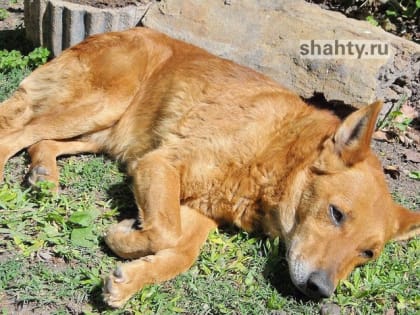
266 34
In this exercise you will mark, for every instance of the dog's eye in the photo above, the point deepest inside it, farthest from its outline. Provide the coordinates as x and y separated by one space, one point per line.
368 254
337 216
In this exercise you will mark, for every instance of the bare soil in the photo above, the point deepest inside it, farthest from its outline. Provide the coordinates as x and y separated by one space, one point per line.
106 3
394 156
14 17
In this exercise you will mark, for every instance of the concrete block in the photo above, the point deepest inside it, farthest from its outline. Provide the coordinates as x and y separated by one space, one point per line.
58 25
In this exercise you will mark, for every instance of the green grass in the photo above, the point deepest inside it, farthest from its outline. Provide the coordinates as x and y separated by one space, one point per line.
3 14
53 258
9 81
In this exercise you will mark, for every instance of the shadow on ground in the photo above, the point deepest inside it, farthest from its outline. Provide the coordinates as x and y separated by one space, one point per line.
277 273
15 40
339 108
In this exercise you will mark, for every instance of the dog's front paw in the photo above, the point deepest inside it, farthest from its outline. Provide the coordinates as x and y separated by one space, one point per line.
126 240
117 288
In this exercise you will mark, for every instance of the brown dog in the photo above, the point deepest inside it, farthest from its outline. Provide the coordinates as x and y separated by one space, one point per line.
207 142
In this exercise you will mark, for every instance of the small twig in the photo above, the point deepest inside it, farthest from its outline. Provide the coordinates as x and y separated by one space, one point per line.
384 121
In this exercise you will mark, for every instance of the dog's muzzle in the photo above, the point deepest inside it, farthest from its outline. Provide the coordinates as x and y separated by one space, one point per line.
315 283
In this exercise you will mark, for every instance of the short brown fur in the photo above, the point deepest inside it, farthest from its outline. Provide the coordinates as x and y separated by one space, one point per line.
207 142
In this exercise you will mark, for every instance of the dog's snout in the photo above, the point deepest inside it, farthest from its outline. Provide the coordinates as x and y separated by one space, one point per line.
319 285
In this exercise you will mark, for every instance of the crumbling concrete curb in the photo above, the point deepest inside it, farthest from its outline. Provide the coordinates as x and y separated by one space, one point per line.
59 24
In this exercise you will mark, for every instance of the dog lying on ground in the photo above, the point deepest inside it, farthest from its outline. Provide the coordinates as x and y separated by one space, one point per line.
207 142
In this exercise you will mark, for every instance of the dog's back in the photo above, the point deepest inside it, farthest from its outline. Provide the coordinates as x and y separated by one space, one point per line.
223 126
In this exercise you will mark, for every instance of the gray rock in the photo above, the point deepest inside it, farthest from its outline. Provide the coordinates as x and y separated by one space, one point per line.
59 24
265 35
330 309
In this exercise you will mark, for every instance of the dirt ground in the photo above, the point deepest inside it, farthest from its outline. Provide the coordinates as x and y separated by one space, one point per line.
106 3
14 18
396 158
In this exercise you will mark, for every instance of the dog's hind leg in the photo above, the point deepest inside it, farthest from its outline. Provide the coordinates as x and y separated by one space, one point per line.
86 115
44 153
63 126
14 114
165 264
60 101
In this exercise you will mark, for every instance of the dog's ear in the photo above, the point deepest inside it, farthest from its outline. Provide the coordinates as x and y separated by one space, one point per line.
407 223
353 136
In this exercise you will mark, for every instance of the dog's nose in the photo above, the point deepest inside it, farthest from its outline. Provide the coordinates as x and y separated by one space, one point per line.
319 285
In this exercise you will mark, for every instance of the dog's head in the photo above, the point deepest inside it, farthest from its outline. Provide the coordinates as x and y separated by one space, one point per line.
346 214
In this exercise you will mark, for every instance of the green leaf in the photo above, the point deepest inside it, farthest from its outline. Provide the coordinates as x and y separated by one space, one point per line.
391 13
51 231
14 233
3 14
414 175
372 20
249 279
7 195
84 218
36 245
176 309
83 237
55 217
38 56
13 59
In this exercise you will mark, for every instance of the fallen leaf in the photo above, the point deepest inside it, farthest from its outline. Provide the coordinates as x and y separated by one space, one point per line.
404 113
330 309
409 111
406 141
44 255
382 135
414 135
392 171
412 155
